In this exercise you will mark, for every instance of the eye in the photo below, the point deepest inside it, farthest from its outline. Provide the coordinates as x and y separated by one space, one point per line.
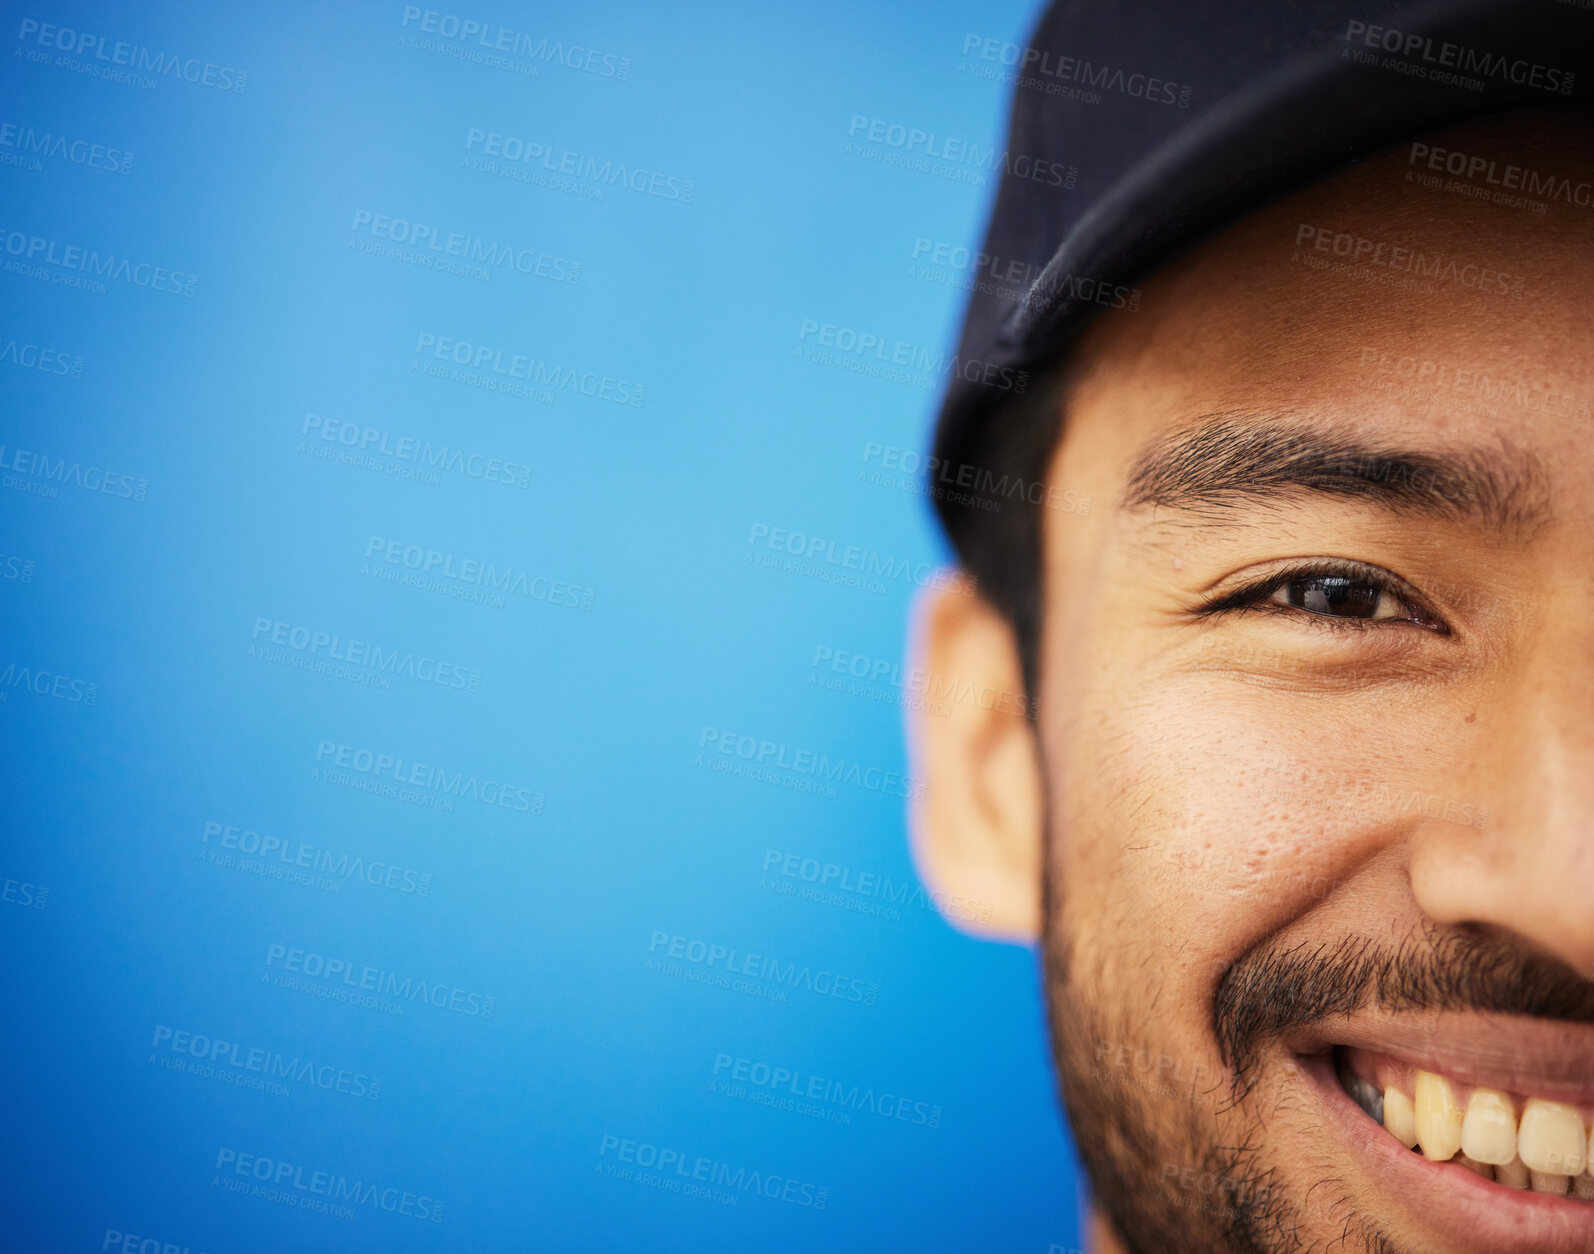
1339 596
1331 594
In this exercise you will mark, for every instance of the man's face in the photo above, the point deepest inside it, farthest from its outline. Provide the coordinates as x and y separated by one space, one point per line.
1315 740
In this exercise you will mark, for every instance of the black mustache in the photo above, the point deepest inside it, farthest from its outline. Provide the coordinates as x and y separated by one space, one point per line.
1271 991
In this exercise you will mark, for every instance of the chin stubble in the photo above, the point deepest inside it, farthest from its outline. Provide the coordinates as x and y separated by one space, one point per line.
1127 1136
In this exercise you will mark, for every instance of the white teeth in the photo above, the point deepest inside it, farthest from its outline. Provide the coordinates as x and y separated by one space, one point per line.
1489 1131
1549 1182
1547 1148
1438 1117
1550 1138
1400 1117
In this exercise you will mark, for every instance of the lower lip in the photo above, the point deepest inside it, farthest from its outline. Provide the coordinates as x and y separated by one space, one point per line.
1470 1213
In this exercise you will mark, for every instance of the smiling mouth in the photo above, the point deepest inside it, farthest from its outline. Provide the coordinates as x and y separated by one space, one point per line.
1516 1140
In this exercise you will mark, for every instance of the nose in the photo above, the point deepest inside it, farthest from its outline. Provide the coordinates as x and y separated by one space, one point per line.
1528 864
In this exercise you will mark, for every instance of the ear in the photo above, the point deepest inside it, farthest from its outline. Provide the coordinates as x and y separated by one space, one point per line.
976 823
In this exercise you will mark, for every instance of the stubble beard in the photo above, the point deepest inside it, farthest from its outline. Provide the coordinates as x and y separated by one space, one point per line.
1171 1168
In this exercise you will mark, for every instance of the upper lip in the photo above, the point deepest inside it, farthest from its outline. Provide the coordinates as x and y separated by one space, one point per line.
1535 1057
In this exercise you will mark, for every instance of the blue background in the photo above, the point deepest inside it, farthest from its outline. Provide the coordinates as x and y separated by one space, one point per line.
122 918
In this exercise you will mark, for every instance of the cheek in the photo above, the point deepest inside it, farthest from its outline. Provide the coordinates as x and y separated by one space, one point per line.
1185 832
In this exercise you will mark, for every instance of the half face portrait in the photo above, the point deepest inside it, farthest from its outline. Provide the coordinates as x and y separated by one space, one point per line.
955 628
1292 784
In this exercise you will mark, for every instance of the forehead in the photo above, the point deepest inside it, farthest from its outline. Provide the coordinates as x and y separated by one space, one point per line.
1397 297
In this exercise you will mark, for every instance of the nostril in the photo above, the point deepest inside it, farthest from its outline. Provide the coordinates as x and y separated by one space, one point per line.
1500 882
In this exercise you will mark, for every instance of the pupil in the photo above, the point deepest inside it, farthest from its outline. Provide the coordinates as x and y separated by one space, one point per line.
1335 595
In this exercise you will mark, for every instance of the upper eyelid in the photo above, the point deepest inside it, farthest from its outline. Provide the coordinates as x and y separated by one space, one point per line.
1318 564
1251 594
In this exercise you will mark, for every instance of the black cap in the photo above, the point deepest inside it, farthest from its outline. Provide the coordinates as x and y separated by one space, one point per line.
1140 125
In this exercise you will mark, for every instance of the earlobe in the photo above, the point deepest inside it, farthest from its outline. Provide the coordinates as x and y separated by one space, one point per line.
977 823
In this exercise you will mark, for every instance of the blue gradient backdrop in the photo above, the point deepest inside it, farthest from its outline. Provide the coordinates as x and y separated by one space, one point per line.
184 531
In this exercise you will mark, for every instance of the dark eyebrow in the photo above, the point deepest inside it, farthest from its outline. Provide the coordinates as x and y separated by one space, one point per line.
1234 460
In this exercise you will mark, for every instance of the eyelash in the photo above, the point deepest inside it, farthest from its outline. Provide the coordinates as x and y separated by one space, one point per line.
1255 598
